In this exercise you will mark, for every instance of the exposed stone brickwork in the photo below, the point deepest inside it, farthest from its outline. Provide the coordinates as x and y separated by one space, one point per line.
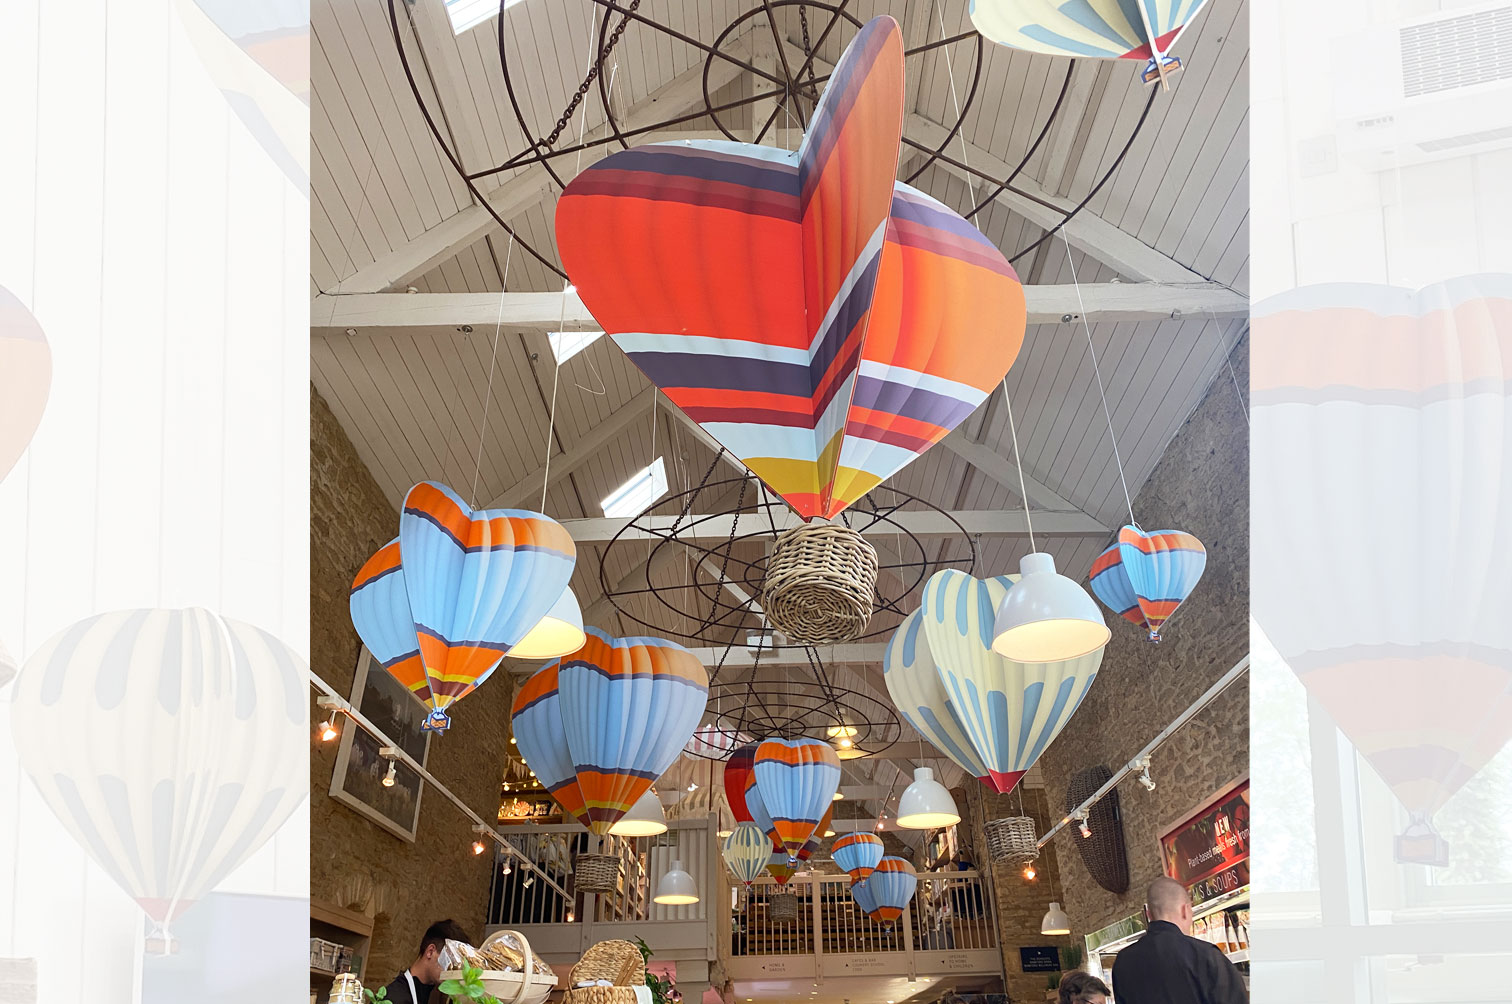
1200 485
437 876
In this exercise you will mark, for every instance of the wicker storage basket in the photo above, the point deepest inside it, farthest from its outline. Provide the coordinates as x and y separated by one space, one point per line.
1103 852
1012 840
620 962
782 908
526 985
596 872
819 584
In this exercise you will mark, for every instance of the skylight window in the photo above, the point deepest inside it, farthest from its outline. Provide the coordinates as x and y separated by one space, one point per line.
566 344
643 488
466 14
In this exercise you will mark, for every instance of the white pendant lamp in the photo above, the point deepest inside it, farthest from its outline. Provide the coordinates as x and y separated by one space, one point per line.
926 804
645 818
676 888
1047 617
557 634
1055 920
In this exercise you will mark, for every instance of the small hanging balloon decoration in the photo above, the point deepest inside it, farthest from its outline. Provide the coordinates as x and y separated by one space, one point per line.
1145 576
747 851
1104 29
812 844
25 377
866 899
737 779
858 854
914 684
781 867
824 322
797 779
440 606
621 709
169 743
1007 711
891 885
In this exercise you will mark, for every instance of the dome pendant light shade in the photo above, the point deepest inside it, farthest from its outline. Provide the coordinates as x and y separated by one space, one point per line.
1055 920
557 634
926 804
645 818
676 888
1046 617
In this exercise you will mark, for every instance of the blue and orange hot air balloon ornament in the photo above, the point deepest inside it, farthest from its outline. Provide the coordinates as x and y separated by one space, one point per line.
442 604
824 322
621 709
891 885
1144 577
858 853
797 780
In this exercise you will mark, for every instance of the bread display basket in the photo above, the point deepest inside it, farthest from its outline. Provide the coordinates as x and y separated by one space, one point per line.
527 980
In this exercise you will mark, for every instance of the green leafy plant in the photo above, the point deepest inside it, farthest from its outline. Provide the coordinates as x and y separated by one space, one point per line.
663 991
381 997
469 988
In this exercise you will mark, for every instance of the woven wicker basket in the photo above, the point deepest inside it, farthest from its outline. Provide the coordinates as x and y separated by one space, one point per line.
782 908
1103 852
1012 840
819 584
620 962
596 872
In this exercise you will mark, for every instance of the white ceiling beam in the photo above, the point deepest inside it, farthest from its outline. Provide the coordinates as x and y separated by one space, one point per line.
409 261
1002 470
457 109
421 314
925 523
1088 232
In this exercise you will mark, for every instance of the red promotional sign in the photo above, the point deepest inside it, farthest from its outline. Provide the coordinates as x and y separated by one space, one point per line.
1209 853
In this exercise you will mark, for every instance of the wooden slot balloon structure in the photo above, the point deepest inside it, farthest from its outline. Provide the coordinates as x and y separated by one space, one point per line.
169 743
797 780
1381 423
858 854
442 604
1144 577
25 376
600 726
991 715
824 322
1100 29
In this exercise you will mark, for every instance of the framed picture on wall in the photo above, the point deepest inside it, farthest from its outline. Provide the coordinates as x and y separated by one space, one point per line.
357 781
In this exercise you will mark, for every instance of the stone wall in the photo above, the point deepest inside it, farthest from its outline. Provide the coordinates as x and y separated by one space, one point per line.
437 876
1200 485
1020 902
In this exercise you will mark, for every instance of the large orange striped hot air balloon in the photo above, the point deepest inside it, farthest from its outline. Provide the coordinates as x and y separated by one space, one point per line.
621 710
1380 457
797 779
824 322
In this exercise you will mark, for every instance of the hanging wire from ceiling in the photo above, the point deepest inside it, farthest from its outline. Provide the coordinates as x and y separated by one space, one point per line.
492 359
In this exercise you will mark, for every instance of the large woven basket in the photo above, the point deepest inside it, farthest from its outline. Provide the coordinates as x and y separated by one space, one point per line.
1103 852
782 908
1012 839
596 872
819 584
620 962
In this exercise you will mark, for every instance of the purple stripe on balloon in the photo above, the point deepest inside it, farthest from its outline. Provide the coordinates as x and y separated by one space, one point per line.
910 402
691 162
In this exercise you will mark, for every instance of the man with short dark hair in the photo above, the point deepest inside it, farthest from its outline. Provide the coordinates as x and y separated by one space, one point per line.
1167 965
415 984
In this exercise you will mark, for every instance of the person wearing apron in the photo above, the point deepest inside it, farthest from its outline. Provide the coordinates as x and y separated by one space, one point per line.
416 984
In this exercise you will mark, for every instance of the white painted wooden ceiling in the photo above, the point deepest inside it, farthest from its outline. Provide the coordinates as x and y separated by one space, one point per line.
418 407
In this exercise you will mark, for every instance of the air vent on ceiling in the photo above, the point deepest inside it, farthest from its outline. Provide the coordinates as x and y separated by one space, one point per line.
1467 139
1455 52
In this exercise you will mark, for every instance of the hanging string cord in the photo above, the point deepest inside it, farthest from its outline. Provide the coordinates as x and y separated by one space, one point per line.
1101 390
956 100
1018 461
556 373
1228 360
488 394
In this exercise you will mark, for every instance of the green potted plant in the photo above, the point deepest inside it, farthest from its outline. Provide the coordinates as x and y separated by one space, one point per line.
663 991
